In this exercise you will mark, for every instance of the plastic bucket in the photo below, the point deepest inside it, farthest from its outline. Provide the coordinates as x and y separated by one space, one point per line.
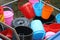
20 22
25 33
46 11
38 8
58 18
49 34
38 30
33 1
8 15
54 27
27 10
55 37
8 32
1 14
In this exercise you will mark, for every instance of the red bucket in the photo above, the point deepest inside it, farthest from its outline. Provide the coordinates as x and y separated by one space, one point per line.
8 32
27 10
54 27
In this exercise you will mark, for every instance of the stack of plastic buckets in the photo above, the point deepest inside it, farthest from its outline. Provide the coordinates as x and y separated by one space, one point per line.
38 30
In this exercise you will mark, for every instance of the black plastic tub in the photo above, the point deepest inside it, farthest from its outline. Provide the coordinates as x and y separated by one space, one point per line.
25 33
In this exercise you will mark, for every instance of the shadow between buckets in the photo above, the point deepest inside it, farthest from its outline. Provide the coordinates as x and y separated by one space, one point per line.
50 19
25 33
1 27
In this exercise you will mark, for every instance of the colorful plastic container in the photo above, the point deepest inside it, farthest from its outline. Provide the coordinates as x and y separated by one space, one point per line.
22 21
24 32
38 30
58 18
1 14
54 27
33 1
38 8
47 11
27 10
49 34
8 16
8 32
55 37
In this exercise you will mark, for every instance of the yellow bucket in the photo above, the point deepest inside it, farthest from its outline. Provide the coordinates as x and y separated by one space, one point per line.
1 14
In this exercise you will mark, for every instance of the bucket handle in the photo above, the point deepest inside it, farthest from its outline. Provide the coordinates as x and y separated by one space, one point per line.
8 8
19 3
3 36
11 29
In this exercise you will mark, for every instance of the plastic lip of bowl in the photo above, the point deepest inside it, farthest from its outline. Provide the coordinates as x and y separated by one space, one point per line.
31 31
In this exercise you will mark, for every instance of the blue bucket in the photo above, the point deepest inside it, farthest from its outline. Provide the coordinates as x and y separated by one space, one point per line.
58 18
38 30
38 8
